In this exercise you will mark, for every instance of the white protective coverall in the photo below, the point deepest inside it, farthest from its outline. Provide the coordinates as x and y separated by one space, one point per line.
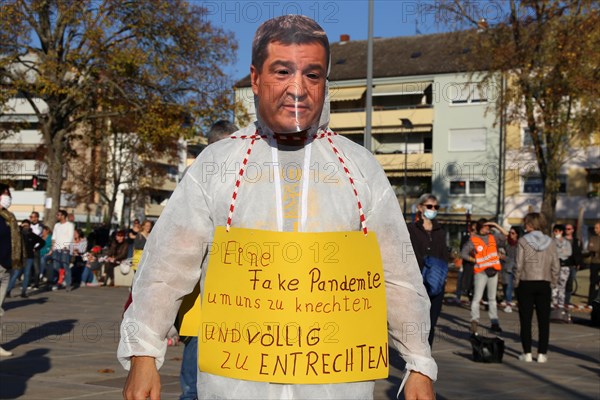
174 256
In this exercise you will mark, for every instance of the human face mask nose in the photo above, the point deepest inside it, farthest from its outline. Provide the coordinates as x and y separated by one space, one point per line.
297 93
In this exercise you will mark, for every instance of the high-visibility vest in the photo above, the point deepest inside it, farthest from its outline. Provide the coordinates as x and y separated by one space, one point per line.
486 255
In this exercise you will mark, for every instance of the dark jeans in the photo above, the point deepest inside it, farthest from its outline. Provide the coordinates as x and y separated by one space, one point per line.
434 313
467 279
35 278
15 273
189 370
539 295
593 291
109 270
569 286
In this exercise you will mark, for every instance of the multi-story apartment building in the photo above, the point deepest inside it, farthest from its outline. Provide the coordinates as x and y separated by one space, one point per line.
22 167
579 179
20 157
435 129
430 129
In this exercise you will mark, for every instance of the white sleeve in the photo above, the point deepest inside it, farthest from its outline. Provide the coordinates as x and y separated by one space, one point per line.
407 300
169 269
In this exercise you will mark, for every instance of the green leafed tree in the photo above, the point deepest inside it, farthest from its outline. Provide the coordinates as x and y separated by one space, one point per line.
157 64
547 50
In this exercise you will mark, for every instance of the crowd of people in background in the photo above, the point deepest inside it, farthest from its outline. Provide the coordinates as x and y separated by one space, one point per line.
537 269
64 257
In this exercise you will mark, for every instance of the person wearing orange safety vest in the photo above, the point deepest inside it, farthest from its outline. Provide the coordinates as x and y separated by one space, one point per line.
482 250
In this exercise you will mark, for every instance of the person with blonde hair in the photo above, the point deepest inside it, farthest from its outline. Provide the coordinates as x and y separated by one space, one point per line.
537 271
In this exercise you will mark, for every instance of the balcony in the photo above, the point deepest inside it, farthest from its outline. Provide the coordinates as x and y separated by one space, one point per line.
414 162
153 210
21 169
165 184
356 119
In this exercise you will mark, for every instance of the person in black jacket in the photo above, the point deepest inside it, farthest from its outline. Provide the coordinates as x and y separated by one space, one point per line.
428 238
10 249
30 240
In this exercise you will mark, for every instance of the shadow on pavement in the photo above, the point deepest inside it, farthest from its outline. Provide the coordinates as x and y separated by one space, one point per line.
17 371
10 305
454 330
49 331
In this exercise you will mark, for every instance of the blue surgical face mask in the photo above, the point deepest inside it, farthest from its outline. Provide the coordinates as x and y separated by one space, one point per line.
430 214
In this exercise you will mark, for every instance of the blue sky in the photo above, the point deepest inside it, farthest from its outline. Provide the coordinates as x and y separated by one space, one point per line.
392 18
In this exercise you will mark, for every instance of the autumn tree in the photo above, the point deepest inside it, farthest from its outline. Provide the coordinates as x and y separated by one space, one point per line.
548 52
81 63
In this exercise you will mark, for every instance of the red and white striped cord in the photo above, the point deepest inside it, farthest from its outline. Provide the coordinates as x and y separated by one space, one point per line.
363 222
327 133
287 137
237 185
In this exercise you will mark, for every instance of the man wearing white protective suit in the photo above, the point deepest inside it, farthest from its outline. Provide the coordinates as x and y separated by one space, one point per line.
305 178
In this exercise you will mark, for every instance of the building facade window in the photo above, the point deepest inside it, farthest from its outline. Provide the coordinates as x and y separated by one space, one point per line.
534 184
469 139
526 140
468 93
475 187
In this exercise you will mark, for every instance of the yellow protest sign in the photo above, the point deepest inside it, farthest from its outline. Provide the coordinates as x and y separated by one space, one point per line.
291 307
189 313
135 260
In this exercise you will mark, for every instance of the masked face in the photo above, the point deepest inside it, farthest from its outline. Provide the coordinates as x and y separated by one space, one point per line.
430 214
5 201
291 86
429 209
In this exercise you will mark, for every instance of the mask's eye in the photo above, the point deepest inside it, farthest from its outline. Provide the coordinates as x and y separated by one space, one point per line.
313 76
282 72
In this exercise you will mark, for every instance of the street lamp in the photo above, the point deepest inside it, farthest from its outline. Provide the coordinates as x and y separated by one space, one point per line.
406 125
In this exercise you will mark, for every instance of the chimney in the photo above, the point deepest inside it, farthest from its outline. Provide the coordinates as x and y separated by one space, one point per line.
344 37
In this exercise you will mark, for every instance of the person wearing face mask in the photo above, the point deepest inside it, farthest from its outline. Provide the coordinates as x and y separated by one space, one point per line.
30 240
11 249
565 251
482 250
291 137
428 238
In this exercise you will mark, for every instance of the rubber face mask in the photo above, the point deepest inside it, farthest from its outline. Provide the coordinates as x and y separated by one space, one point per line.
291 86
5 201
430 214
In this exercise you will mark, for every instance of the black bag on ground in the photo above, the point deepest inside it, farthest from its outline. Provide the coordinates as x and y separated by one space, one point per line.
560 316
486 349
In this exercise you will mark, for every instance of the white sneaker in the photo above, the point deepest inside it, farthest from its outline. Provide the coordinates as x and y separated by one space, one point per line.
542 358
508 309
526 357
5 353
